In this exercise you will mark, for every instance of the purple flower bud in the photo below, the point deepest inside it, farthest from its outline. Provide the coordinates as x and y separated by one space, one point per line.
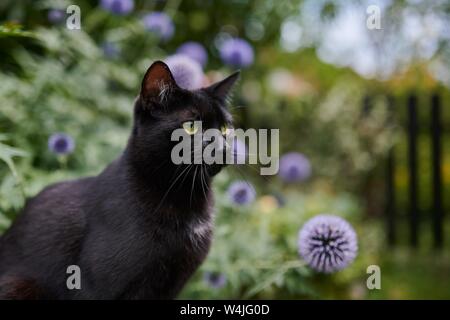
187 73
237 52
241 193
61 143
215 280
56 16
195 51
294 167
327 243
160 24
110 50
119 7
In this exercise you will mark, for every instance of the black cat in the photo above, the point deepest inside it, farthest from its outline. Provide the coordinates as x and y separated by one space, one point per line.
140 228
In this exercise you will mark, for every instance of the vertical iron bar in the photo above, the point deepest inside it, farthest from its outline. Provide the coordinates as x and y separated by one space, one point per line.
412 160
437 172
390 183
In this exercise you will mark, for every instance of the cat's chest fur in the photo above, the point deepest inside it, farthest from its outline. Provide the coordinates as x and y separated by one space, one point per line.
147 259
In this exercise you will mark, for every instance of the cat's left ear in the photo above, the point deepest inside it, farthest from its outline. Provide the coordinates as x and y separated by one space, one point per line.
157 80
223 88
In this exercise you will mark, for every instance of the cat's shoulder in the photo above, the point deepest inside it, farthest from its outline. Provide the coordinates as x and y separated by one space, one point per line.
62 191
54 214
60 198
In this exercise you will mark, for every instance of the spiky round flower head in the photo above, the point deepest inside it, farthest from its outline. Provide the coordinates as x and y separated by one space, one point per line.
195 51
214 279
236 52
61 143
241 193
56 16
187 73
160 24
119 7
294 167
327 243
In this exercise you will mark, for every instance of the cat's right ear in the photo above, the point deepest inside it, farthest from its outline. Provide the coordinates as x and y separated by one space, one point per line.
157 80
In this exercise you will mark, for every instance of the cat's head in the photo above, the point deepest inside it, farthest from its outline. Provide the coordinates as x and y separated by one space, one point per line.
162 107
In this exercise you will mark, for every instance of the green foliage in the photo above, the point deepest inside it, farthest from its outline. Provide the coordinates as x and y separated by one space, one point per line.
7 154
256 246
10 181
13 30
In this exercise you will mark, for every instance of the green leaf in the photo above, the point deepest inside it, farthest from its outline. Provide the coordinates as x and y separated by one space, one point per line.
11 29
7 154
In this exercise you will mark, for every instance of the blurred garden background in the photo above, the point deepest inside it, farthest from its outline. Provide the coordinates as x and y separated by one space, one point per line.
308 67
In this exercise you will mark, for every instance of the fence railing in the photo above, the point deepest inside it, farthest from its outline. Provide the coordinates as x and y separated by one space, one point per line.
414 214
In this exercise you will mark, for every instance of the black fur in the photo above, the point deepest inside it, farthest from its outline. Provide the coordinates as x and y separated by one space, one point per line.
133 234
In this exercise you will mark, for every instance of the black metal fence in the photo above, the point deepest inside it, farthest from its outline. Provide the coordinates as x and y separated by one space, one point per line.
414 215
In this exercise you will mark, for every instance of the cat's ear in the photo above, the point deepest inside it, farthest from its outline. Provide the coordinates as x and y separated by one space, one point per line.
223 88
157 80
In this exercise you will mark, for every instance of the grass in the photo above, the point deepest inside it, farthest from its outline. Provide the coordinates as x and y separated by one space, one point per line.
409 274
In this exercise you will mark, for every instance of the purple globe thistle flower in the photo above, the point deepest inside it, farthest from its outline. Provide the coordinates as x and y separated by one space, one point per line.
294 167
241 193
327 243
119 7
61 143
110 50
56 16
214 279
187 73
237 52
195 51
160 24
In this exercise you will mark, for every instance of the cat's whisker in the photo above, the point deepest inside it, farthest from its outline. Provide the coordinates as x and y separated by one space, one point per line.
203 179
164 162
168 190
249 166
186 174
206 183
236 107
243 177
192 187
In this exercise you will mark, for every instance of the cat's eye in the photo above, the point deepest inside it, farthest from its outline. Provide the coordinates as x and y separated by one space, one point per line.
225 130
191 127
